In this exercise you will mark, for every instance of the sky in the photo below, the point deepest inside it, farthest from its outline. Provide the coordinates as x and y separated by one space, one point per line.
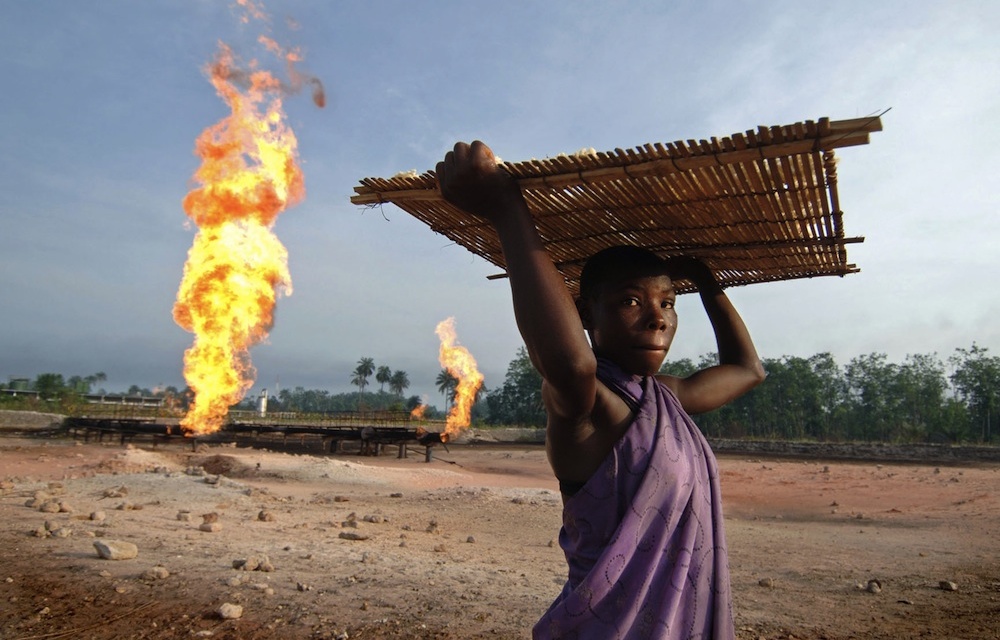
101 103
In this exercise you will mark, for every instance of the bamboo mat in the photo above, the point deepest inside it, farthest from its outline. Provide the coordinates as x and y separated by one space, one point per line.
759 206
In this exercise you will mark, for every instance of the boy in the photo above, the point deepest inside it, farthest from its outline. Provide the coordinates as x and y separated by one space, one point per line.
642 518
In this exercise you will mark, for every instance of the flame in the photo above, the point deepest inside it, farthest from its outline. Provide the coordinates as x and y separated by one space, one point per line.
460 364
418 412
236 267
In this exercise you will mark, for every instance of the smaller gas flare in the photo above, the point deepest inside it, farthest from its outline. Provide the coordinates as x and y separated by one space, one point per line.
418 412
460 364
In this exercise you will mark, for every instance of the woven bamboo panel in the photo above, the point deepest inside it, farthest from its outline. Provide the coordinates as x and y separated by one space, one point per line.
758 206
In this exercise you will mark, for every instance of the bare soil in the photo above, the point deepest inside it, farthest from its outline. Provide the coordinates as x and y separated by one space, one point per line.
462 546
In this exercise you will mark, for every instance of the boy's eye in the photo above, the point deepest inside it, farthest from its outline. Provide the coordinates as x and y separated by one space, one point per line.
630 301
667 304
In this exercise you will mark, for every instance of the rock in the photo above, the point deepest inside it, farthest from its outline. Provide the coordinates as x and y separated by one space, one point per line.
353 535
229 611
265 516
767 583
156 573
62 532
947 585
471 539
65 507
98 516
116 549
256 562
874 586
374 518
49 506
184 516
116 492
210 523
396 495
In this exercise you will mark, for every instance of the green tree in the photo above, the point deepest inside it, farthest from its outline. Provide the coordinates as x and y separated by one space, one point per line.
399 382
519 399
977 381
871 381
382 377
50 386
679 368
446 386
360 375
85 384
920 388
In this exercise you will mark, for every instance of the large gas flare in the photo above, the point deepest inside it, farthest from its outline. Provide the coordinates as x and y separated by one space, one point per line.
236 268
460 364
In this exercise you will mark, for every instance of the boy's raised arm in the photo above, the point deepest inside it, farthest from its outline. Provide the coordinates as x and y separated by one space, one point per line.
546 316
739 368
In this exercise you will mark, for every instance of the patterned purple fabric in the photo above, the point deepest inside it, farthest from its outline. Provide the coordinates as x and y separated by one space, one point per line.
644 536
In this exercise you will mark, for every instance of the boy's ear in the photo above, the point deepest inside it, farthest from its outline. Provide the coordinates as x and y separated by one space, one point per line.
583 308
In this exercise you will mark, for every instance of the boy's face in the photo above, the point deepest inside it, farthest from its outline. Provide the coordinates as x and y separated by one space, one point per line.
632 322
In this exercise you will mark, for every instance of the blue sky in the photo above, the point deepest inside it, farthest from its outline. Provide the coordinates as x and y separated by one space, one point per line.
102 102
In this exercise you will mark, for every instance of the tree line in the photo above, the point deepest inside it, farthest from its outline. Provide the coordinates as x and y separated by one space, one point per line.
922 399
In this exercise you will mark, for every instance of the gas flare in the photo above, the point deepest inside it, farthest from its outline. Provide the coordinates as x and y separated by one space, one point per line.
418 412
236 267
460 364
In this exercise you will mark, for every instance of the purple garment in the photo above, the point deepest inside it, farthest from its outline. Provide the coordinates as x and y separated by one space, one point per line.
644 536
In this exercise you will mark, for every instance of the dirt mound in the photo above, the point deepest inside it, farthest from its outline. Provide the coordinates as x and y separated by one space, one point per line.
223 465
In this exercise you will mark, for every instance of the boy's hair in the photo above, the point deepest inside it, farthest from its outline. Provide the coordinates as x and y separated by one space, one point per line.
616 263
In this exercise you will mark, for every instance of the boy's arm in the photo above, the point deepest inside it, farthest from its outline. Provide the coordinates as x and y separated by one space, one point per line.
739 368
546 315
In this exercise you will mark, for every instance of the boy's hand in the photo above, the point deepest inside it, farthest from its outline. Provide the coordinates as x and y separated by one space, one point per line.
470 179
693 269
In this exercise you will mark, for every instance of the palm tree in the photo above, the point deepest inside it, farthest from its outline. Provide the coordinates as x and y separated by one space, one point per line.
366 366
399 382
94 378
446 384
383 376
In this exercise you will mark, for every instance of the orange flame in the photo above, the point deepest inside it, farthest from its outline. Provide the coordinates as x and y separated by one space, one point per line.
236 267
418 412
460 364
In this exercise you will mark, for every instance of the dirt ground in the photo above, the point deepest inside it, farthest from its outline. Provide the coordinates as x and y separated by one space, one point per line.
459 547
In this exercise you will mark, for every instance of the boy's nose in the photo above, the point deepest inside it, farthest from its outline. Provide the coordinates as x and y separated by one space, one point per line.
656 321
